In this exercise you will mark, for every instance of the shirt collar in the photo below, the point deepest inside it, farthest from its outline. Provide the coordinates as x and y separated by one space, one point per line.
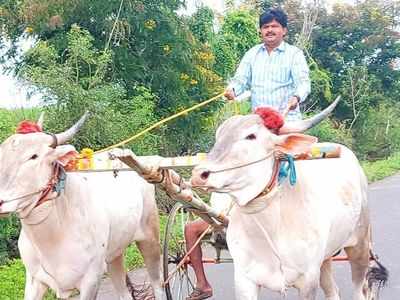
280 48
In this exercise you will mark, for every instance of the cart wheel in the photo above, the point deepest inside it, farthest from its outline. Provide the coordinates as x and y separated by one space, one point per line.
182 282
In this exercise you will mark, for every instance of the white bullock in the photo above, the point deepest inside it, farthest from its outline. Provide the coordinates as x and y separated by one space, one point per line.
284 237
71 238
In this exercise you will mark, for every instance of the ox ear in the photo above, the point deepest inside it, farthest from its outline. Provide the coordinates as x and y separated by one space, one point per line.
294 143
64 154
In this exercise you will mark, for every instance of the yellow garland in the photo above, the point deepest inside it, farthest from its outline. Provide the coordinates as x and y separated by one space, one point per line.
85 161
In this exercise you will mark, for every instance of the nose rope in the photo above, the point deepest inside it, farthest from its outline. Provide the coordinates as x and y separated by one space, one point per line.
243 165
44 191
21 197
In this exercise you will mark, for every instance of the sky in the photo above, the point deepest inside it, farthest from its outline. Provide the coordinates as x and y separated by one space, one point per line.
12 92
13 95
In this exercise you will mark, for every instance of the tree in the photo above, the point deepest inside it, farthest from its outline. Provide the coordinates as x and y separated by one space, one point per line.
147 44
237 35
201 24
357 35
75 81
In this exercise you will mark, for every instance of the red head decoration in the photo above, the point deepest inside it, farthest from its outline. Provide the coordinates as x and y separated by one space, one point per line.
272 119
25 127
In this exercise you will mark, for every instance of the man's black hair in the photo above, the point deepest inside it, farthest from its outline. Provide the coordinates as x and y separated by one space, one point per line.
274 14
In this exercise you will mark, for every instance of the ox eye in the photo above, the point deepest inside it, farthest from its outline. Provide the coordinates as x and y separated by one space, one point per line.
251 137
34 156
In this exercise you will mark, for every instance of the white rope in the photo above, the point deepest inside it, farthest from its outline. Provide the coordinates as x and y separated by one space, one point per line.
275 251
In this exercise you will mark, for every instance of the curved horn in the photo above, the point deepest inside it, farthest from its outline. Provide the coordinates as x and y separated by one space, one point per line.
40 120
303 125
65 136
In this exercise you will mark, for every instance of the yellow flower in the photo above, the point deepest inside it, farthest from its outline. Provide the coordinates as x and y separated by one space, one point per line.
205 56
167 49
86 161
28 29
184 77
150 24
193 82
87 153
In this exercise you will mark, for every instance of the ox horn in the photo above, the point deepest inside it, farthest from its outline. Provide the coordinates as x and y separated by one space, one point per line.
65 136
303 125
40 120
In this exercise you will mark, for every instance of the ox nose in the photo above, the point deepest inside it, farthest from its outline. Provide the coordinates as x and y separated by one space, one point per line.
200 176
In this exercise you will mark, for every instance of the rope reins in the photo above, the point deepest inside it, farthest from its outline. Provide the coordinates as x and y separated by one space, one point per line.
279 172
43 191
2 201
243 165
159 123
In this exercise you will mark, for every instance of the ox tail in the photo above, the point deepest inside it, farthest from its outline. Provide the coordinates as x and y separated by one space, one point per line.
139 291
377 275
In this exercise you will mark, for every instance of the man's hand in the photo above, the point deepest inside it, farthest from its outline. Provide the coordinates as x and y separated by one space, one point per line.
229 94
293 102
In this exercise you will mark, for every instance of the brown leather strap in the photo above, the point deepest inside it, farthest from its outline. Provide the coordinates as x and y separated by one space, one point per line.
50 186
274 179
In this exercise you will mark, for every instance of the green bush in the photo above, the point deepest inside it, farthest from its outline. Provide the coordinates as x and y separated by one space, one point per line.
9 119
329 131
377 134
380 169
7 124
9 232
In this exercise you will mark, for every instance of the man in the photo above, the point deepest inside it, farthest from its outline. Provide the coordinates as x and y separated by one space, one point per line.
278 76
193 230
276 73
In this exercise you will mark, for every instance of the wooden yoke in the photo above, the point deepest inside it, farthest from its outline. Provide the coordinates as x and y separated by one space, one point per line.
175 186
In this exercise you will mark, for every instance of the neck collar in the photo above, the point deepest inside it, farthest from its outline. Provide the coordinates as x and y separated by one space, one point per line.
259 203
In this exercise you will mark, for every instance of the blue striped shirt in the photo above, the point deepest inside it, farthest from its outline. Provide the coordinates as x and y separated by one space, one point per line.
273 78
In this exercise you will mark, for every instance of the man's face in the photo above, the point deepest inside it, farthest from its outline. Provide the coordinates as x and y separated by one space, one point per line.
272 33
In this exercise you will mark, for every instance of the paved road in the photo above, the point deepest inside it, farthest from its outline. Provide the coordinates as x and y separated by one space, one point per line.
385 215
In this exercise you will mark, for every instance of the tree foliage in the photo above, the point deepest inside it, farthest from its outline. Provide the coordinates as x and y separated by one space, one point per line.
129 45
237 35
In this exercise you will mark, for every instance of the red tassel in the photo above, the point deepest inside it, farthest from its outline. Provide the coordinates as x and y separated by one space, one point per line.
273 120
25 127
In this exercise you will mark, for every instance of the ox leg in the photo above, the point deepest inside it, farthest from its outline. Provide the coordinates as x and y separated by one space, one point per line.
90 284
359 257
327 281
151 253
359 262
308 285
117 275
90 291
245 289
34 289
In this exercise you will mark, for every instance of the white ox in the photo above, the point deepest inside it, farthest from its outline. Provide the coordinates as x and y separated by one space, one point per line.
287 237
70 240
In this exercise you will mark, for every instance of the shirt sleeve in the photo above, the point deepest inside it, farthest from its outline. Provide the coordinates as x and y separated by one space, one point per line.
301 76
241 81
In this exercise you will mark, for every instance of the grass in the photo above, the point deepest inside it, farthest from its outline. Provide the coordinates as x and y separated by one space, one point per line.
382 168
12 280
12 275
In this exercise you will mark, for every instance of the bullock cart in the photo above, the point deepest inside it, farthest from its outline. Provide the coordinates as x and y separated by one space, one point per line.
178 277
